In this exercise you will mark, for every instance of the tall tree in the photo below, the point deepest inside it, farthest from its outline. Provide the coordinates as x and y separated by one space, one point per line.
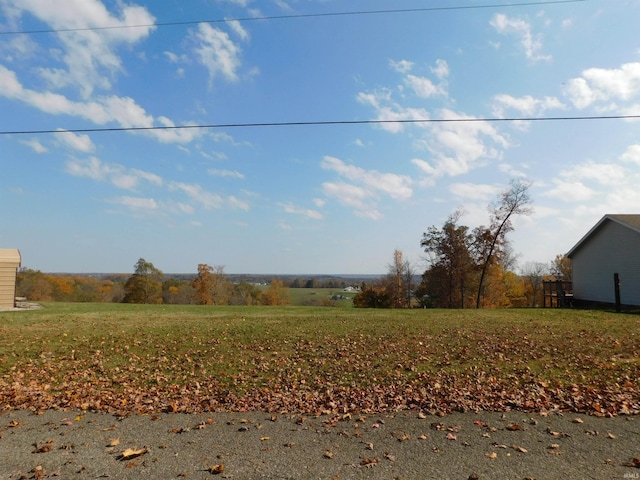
145 285
276 294
451 263
514 201
396 280
211 285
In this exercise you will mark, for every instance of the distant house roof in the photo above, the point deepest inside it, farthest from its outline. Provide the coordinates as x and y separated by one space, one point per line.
631 221
10 256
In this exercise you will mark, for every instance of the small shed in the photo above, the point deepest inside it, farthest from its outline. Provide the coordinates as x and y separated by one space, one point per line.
611 247
9 264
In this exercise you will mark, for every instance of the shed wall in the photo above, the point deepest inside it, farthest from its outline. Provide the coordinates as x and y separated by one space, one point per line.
611 249
7 287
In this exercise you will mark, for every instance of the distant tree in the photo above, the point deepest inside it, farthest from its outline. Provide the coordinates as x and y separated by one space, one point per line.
276 294
33 284
395 280
373 296
450 275
561 268
145 285
211 286
514 201
245 294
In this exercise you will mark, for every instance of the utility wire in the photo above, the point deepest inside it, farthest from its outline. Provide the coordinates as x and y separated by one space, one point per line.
319 123
301 15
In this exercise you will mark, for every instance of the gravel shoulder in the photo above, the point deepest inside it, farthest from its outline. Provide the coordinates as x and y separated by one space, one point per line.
254 445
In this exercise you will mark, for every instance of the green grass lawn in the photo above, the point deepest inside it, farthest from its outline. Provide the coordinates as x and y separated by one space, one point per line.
145 358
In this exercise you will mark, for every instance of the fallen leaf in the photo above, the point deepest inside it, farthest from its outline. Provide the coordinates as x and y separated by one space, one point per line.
514 427
451 436
130 453
422 415
329 454
492 455
610 435
369 462
115 442
216 469
577 420
265 439
520 449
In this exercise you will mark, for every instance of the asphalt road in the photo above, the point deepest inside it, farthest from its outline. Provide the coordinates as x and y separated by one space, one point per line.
255 445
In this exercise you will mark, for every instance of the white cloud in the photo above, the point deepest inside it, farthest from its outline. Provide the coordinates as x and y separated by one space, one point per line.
238 29
402 66
441 70
198 194
389 111
123 111
237 203
395 186
306 212
631 154
35 145
79 142
525 105
117 175
601 173
137 204
217 52
459 147
89 59
571 191
474 191
604 85
522 29
225 173
423 87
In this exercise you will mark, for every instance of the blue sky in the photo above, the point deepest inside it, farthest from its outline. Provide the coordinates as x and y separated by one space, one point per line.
313 198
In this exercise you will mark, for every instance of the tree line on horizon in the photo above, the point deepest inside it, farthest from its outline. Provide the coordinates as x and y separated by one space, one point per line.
147 284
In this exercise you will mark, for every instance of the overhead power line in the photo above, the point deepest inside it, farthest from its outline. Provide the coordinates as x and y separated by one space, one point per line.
319 123
300 15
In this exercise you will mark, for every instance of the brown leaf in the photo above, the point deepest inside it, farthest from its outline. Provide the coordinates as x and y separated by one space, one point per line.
369 462
115 442
514 427
130 453
520 449
329 454
216 469
492 455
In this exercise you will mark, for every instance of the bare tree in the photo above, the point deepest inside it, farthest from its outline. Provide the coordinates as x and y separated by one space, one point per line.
514 201
533 274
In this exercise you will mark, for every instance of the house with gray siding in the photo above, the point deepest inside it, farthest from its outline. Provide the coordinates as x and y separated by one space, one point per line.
611 246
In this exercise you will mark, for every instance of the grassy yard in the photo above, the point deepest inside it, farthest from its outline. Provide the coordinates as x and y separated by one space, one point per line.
139 358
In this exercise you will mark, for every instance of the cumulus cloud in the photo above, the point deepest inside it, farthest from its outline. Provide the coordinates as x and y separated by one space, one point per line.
459 147
600 85
364 187
531 43
123 111
88 58
525 105
390 111
79 142
571 191
217 52
305 212
402 66
115 174
35 145
631 154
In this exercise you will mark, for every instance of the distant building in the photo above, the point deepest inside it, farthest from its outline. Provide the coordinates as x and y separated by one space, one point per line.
9 264
611 246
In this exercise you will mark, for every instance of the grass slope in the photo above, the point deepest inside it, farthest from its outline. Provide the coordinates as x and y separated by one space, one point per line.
143 358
